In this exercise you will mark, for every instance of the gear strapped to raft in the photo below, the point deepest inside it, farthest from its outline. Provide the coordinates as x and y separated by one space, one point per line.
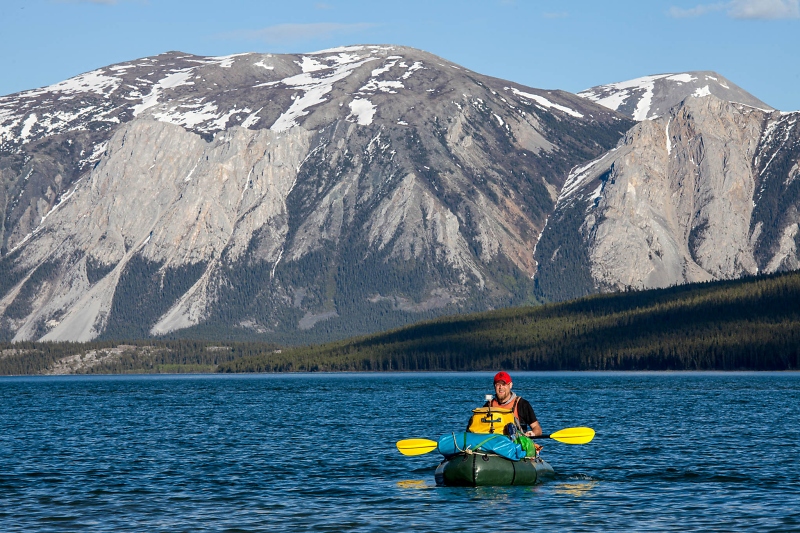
480 443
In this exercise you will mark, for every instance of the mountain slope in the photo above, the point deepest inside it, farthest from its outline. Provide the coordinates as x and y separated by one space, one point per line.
649 97
284 196
695 195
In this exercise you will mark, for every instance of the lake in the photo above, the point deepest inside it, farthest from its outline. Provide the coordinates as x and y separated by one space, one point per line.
315 452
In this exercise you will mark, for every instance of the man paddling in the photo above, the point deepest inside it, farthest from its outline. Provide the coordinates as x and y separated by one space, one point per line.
506 399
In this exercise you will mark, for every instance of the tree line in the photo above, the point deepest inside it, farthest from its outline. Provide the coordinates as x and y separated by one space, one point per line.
747 324
138 356
751 324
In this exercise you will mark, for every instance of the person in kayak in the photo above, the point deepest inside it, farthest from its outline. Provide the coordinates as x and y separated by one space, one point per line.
506 399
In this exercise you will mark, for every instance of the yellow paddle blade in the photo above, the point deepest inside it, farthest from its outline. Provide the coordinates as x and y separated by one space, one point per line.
416 446
573 435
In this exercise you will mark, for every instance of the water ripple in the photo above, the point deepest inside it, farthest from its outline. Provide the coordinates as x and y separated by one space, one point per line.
702 452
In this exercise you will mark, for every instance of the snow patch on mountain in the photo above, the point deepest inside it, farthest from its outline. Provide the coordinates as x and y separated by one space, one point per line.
252 119
649 97
96 82
684 78
614 95
97 151
413 68
315 89
189 115
386 68
339 49
579 175
362 111
27 126
386 86
701 92
309 64
669 141
544 102
225 61
176 79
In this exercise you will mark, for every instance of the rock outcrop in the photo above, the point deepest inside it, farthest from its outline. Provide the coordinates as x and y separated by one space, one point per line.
685 197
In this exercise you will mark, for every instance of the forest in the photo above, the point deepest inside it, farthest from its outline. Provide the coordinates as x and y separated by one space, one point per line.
746 324
128 357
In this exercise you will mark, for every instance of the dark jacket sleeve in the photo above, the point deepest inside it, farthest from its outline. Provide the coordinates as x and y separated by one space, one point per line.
526 415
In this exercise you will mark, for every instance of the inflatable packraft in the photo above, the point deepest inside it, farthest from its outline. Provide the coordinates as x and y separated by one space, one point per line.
485 469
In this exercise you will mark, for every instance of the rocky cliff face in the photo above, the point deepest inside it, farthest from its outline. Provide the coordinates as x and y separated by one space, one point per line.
293 197
693 195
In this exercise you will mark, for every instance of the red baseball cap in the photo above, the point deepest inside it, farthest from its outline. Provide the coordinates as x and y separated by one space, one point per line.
502 376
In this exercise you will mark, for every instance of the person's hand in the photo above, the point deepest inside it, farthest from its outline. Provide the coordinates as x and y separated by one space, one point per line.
529 434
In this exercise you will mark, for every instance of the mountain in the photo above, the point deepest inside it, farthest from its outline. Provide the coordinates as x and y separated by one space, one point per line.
652 96
709 190
285 197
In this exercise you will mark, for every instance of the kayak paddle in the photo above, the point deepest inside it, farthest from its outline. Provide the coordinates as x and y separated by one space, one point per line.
416 446
570 435
580 435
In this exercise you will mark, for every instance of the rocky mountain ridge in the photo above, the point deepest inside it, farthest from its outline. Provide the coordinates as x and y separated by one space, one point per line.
708 191
650 97
295 196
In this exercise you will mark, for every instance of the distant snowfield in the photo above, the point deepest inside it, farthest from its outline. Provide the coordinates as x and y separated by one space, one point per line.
319 73
313 89
636 97
544 102
614 95
339 64
96 82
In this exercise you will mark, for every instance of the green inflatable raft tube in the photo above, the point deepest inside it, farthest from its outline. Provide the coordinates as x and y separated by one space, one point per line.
485 469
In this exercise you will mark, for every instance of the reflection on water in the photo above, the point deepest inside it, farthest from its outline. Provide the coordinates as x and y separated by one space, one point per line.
574 488
414 484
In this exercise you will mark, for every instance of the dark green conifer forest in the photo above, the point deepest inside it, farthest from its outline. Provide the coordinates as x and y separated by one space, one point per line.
751 324
748 324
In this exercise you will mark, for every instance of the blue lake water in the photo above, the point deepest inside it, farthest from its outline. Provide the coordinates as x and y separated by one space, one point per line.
686 451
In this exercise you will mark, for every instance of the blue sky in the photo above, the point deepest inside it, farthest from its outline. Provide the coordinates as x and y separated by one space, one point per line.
565 44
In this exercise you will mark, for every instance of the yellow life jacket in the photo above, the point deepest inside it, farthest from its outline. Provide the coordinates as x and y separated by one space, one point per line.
490 419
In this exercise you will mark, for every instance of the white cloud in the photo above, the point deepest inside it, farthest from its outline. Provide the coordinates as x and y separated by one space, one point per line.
696 11
764 9
292 33
744 9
